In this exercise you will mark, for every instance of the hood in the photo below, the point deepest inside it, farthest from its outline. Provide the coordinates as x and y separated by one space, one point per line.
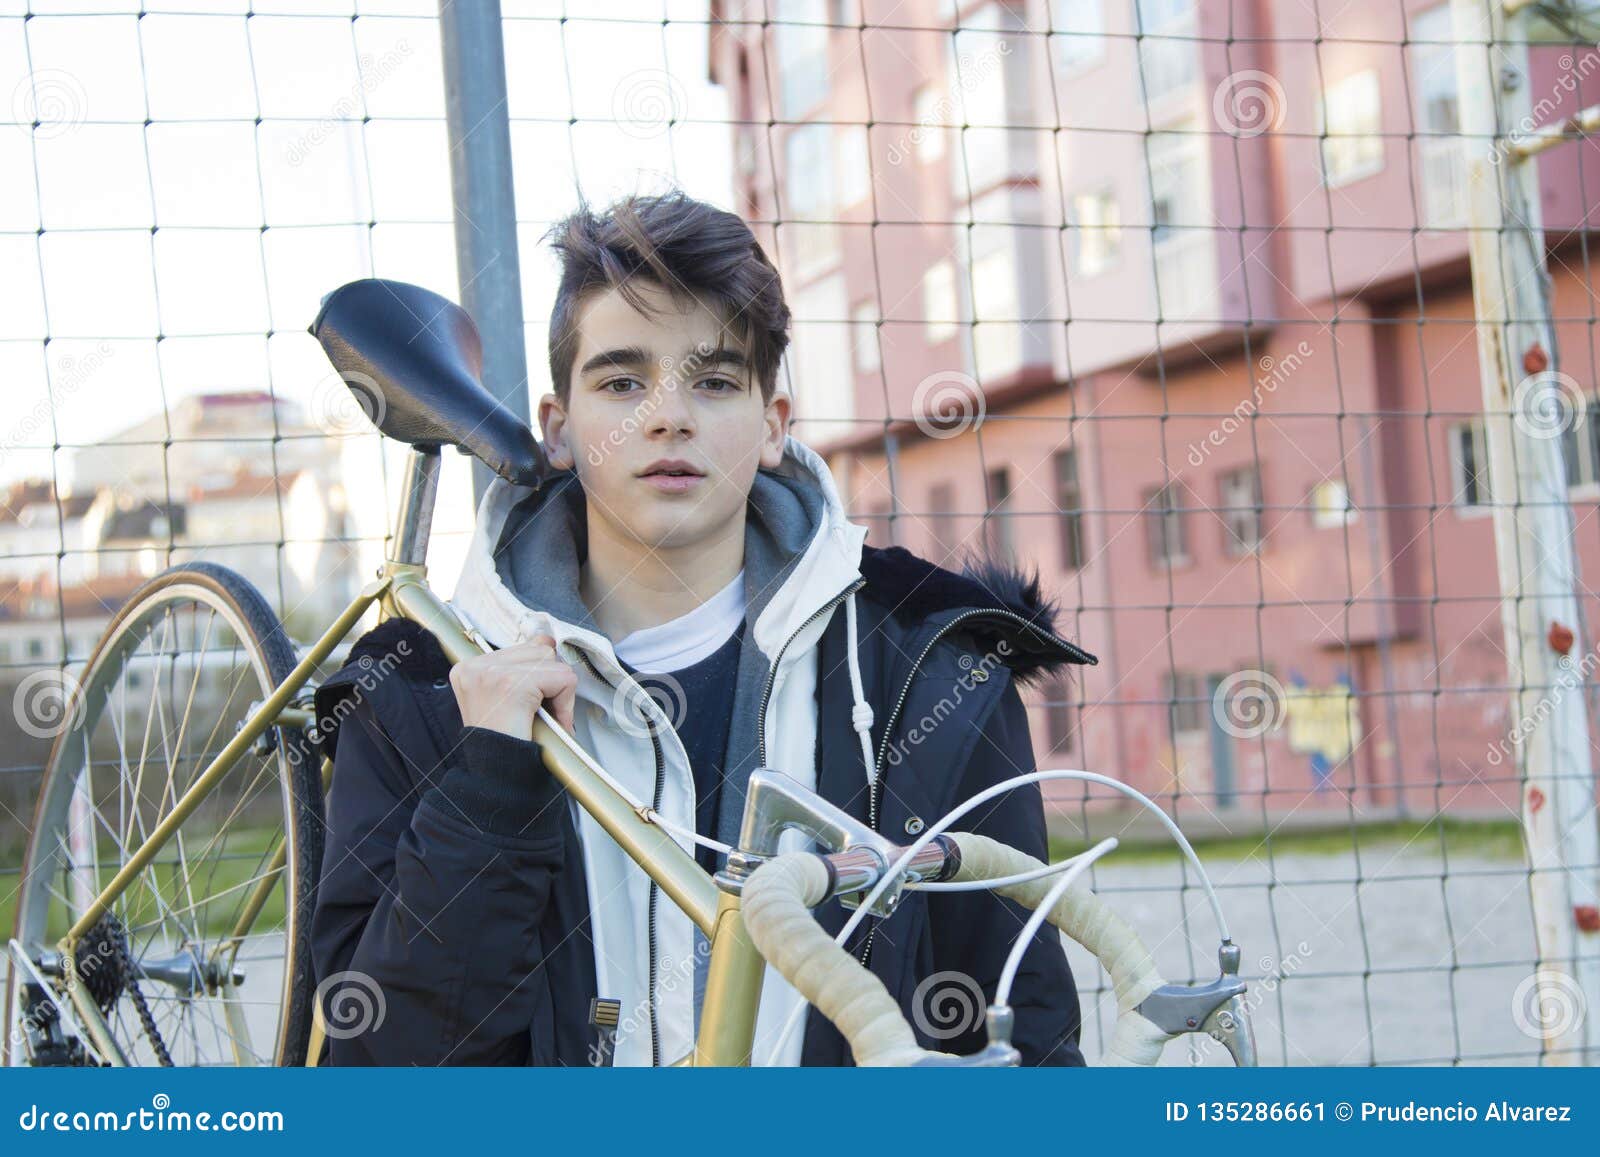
991 599
521 574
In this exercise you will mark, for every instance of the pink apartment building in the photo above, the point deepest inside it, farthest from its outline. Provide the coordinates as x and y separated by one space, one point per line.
1201 267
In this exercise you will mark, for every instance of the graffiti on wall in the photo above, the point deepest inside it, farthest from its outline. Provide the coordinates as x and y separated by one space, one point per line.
1323 723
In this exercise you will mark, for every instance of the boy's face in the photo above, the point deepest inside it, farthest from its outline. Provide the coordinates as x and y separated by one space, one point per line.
646 388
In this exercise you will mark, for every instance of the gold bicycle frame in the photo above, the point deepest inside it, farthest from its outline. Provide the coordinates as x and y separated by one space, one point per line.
735 969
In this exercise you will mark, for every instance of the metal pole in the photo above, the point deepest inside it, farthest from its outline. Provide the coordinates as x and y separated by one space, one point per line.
485 202
1393 760
1533 527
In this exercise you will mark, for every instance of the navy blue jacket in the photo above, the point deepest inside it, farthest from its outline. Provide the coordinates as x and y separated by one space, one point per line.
475 930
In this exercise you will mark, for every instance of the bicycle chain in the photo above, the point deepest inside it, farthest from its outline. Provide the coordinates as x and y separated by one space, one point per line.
118 937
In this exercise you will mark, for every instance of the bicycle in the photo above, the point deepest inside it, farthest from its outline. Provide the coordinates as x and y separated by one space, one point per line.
196 949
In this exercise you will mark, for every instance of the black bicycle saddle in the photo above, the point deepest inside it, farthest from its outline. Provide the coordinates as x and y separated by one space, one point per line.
422 356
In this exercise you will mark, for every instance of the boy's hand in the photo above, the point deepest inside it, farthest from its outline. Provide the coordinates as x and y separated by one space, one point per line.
502 690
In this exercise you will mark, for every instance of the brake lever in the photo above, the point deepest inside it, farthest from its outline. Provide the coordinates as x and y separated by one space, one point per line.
1217 1009
1229 1026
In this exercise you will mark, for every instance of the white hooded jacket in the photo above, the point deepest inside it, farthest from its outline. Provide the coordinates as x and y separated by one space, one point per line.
802 560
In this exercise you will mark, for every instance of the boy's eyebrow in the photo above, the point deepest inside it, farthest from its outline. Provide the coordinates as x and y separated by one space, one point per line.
628 356
632 357
725 356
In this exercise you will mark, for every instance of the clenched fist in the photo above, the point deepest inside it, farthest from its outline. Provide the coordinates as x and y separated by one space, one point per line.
502 690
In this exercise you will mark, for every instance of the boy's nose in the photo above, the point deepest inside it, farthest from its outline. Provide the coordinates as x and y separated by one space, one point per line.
671 408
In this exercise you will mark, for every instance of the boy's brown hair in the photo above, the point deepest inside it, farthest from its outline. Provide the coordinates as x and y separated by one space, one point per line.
680 244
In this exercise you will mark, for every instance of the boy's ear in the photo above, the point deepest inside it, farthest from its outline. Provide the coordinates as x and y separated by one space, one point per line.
553 423
777 430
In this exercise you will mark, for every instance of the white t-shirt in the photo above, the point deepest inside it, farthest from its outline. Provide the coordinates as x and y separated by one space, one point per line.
685 640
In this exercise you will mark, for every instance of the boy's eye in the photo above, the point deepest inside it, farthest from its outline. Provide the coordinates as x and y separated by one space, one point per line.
607 385
721 385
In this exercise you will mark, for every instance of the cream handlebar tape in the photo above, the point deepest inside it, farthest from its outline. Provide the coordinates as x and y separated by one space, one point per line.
777 903
1090 921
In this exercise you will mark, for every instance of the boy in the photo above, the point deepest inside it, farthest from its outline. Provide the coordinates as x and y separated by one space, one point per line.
687 597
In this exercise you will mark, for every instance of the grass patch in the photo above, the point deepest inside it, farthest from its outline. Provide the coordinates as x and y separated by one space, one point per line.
240 860
1497 839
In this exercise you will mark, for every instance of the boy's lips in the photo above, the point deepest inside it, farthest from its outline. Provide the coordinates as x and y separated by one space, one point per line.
672 475
673 483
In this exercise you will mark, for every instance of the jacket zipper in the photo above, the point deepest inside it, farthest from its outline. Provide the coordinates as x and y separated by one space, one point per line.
655 746
894 716
772 675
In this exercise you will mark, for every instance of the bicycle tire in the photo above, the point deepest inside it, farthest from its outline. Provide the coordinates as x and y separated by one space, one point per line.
115 661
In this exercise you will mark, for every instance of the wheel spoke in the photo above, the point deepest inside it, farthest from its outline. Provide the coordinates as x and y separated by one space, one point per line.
192 893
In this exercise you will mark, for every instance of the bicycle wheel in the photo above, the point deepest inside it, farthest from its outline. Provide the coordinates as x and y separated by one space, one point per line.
204 958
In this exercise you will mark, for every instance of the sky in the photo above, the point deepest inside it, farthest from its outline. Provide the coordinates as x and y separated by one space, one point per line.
80 193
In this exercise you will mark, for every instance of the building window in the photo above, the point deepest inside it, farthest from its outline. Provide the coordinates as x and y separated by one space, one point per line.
855 165
997 526
1059 716
1350 124
808 171
1241 510
1181 227
996 293
1069 507
1330 505
35 648
820 358
813 237
864 331
1469 465
1165 524
1078 29
1186 702
992 91
801 34
1096 233
1580 443
1441 178
939 309
928 112
1168 54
